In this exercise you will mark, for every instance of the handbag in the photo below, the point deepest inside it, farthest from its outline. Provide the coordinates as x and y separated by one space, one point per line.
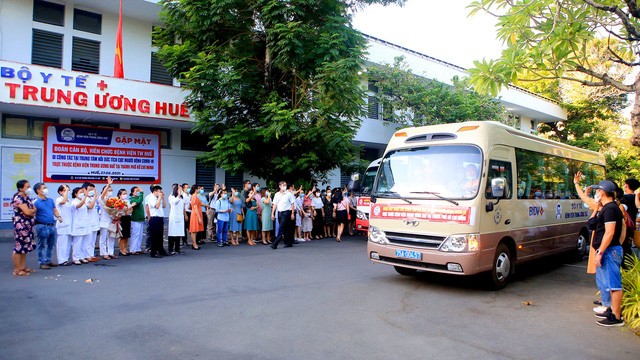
239 217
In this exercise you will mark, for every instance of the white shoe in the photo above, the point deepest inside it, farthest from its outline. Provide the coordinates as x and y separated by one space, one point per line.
600 309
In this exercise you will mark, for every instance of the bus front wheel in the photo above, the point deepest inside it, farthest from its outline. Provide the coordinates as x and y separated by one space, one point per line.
405 271
503 266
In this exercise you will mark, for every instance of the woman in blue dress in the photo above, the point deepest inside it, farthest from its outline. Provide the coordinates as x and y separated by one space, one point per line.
267 223
251 220
235 226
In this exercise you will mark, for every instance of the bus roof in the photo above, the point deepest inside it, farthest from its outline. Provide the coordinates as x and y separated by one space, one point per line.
486 134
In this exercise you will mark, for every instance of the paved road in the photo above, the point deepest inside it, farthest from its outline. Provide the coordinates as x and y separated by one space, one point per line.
318 300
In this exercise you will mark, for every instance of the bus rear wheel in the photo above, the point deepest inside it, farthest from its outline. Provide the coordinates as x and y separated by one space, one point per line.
405 271
502 269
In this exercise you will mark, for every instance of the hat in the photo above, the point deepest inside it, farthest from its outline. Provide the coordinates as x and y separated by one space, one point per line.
605 185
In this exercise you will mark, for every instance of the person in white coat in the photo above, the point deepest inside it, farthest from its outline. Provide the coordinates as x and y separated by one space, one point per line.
89 243
177 217
80 226
65 209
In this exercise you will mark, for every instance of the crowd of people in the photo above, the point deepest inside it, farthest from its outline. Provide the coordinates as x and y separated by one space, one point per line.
612 226
64 231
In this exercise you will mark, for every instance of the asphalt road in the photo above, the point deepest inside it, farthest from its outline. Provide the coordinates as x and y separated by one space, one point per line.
318 300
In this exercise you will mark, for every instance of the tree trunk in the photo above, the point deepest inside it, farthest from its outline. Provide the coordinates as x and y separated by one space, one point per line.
635 114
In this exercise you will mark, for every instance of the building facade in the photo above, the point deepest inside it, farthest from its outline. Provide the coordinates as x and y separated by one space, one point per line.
57 93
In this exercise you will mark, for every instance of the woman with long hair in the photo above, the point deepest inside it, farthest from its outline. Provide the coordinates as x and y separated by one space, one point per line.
251 220
125 224
329 222
340 211
196 223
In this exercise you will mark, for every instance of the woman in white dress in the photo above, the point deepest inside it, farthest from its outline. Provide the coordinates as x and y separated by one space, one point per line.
63 242
177 217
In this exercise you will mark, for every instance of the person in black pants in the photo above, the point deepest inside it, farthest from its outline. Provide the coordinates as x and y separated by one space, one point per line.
284 203
156 205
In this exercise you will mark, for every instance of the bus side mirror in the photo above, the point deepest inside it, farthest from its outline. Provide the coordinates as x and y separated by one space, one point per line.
354 183
497 187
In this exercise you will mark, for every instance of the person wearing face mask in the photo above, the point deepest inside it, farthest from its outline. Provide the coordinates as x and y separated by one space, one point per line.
267 223
45 225
223 208
24 213
80 228
106 240
236 217
298 210
251 218
472 182
318 219
186 192
156 205
63 228
125 224
89 244
329 222
284 204
196 223
202 235
211 212
177 217
136 199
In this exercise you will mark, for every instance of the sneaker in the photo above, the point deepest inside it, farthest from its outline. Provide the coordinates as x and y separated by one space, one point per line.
600 309
611 321
604 314
220 244
597 302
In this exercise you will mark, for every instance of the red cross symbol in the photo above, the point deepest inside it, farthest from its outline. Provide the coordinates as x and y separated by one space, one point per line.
102 85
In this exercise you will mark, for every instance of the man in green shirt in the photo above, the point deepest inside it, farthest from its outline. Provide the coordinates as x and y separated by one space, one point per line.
136 198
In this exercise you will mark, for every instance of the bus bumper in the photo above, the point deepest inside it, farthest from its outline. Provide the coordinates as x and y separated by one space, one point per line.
429 259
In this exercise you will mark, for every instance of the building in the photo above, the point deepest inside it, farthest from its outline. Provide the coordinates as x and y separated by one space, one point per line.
56 66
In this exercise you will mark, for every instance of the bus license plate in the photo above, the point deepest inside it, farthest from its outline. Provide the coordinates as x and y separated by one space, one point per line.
414 255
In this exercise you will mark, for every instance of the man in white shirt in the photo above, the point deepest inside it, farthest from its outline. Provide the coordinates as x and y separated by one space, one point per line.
187 207
284 204
155 205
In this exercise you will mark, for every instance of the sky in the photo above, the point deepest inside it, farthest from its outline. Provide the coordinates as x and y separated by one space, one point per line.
441 29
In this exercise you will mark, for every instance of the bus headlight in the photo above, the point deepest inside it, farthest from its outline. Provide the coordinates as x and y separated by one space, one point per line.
460 243
361 215
377 236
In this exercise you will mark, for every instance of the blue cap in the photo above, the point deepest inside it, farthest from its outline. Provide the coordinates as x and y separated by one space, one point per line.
605 185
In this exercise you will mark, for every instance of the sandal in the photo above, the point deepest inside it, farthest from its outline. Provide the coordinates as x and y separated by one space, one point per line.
21 273
84 261
77 262
28 270
106 257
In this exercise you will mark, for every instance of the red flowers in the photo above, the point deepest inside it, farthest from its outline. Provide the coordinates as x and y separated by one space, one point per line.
116 203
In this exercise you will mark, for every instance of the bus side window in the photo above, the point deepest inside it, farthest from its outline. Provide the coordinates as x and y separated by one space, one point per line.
499 169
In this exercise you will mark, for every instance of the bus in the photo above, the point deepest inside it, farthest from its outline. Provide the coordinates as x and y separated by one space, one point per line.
477 197
364 197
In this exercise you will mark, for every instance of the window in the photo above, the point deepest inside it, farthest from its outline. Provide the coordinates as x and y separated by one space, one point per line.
159 73
373 110
48 13
165 135
450 171
46 48
205 175
233 180
499 169
85 55
543 176
193 141
87 21
24 127
94 123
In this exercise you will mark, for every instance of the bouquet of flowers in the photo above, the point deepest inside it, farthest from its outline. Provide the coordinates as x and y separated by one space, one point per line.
115 207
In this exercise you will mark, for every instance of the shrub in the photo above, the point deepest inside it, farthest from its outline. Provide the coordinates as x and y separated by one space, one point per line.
631 293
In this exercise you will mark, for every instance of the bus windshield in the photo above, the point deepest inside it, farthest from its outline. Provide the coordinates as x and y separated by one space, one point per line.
449 171
367 180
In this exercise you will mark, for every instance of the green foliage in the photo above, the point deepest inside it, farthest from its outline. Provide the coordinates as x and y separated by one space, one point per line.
416 101
274 84
631 294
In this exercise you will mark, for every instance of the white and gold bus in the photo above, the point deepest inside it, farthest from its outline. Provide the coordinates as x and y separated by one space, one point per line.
477 197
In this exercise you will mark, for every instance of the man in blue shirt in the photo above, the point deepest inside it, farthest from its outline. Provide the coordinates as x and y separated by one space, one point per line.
45 228
223 208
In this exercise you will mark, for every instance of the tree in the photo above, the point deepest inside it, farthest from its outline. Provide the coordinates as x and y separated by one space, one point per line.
414 100
273 83
549 39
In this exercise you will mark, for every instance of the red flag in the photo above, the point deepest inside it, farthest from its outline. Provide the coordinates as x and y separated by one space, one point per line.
118 66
